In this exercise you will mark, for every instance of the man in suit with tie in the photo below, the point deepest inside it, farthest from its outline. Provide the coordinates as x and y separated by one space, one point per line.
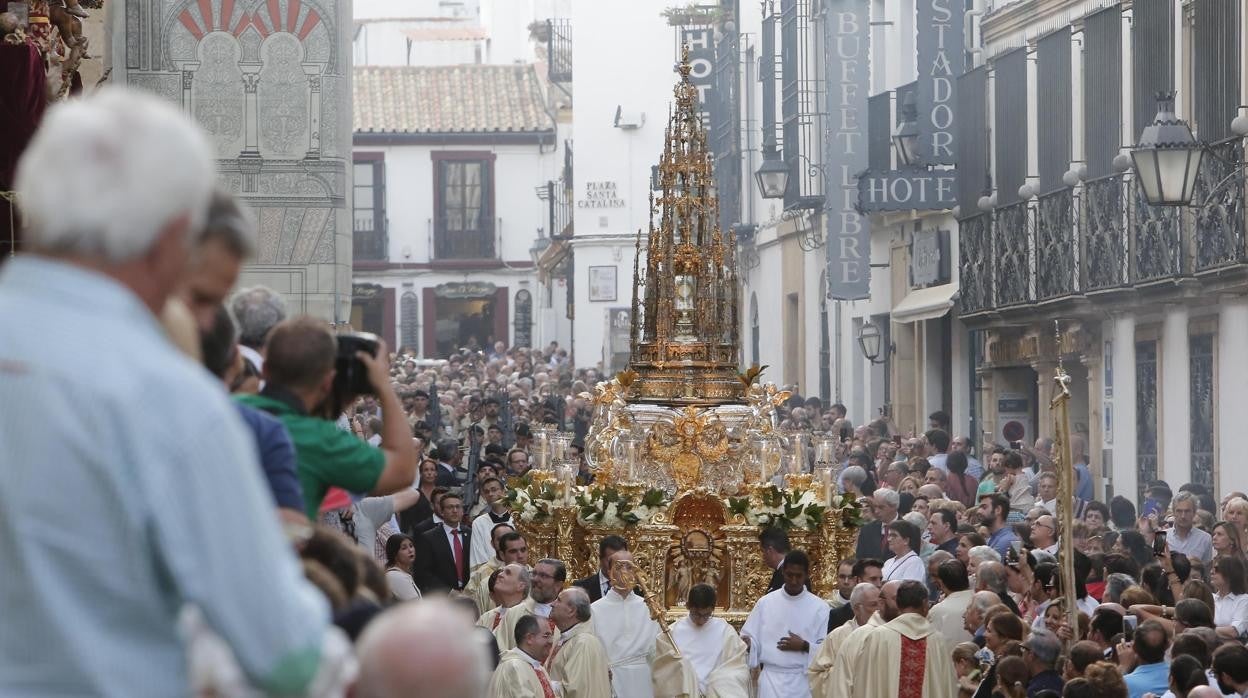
871 543
774 543
445 563
599 582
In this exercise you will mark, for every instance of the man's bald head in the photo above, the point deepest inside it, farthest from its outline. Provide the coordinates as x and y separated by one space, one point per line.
427 649
888 600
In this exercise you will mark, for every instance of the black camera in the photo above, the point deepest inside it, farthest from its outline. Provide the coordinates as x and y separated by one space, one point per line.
351 375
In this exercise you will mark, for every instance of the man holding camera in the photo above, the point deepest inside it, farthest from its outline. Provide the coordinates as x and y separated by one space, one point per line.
299 390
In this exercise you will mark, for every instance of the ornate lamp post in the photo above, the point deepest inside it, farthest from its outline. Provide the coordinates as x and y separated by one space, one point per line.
1167 157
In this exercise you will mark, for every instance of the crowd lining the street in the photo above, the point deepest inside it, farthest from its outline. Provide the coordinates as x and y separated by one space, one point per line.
258 526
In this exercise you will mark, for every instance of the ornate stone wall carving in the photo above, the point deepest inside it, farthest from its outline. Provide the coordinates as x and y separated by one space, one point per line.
266 79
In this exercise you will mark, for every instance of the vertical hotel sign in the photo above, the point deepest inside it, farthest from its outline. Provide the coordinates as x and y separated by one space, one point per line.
941 59
848 70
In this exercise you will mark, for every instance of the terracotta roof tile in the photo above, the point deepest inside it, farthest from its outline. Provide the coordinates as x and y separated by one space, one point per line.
449 99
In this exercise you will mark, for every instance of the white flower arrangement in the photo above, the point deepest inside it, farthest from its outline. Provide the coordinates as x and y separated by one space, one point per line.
610 508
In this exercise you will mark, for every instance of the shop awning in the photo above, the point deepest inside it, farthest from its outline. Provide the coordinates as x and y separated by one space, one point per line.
925 303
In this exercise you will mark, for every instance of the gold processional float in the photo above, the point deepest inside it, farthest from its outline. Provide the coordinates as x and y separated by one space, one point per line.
688 463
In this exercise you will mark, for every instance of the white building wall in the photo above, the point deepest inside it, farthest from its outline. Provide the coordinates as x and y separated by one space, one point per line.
623 56
410 206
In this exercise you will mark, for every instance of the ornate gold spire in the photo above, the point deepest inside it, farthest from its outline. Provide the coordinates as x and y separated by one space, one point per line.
685 319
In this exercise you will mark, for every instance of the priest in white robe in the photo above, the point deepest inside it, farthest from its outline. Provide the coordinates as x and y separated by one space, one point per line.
784 632
477 586
510 586
520 673
578 661
906 657
547 580
864 600
622 622
714 650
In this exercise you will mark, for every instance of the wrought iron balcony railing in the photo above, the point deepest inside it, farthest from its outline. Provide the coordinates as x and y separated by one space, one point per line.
1057 246
1105 237
1012 241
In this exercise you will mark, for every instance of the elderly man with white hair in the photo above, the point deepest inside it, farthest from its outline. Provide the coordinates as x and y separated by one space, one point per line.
865 602
80 448
424 649
257 310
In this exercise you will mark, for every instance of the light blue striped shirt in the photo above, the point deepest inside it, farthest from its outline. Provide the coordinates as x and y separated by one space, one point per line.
128 488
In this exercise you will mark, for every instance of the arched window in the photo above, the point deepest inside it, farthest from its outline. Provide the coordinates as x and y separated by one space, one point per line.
523 322
825 342
754 333
409 316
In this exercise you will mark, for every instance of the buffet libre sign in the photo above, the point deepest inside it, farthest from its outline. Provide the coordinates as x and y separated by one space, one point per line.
848 66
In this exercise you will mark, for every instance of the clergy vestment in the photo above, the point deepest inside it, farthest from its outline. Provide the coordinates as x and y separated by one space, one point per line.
579 663
505 633
718 655
478 586
482 542
837 681
627 632
946 616
491 619
775 615
520 676
905 658
820 671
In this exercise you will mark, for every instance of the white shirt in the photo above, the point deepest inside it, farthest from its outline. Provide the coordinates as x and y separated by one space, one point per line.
450 542
1197 544
1049 506
701 646
908 566
1231 610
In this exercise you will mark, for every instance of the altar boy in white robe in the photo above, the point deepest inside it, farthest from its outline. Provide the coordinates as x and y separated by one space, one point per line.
716 652
622 622
785 630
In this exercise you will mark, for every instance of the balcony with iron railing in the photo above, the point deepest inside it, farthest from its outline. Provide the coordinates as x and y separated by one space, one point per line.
369 241
1069 247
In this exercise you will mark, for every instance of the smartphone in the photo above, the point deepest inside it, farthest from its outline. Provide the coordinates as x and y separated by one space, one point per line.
1159 543
1129 623
897 439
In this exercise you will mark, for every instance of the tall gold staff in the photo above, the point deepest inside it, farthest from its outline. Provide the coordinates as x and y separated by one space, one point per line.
1063 463
628 576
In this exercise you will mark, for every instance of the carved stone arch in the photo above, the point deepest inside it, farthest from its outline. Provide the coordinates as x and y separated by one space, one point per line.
217 91
303 18
283 97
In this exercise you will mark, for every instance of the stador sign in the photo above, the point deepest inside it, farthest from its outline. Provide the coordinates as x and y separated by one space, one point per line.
847 66
907 190
941 59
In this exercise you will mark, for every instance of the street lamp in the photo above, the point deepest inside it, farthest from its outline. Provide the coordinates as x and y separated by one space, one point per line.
906 137
772 176
1167 157
869 340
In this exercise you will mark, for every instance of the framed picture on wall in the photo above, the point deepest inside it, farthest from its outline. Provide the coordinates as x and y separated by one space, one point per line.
602 283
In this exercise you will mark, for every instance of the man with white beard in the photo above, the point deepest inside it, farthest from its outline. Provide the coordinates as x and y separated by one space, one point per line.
623 624
717 654
784 632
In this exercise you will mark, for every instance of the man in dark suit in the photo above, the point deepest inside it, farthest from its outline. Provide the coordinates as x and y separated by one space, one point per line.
444 562
870 571
774 544
447 455
871 537
598 583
